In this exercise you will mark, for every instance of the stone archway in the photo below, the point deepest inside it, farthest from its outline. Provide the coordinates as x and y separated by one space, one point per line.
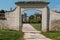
35 5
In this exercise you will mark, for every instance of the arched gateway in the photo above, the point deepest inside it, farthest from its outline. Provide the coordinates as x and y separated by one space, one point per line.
43 6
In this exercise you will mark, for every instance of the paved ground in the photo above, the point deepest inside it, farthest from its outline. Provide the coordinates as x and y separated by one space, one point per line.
31 33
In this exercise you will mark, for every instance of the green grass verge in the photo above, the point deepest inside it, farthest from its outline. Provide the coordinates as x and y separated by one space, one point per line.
52 35
10 35
36 26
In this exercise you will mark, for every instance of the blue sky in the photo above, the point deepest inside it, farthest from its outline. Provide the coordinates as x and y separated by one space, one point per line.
7 4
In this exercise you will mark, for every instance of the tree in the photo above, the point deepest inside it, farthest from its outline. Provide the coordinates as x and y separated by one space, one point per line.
2 11
31 17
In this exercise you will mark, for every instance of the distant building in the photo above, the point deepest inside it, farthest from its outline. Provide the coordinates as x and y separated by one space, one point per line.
25 17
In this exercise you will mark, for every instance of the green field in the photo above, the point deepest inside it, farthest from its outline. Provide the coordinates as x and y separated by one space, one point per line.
52 35
10 35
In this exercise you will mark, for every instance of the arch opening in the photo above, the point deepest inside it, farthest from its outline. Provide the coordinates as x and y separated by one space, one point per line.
32 16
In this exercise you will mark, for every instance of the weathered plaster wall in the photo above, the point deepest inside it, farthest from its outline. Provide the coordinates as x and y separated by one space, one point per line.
12 20
3 24
54 15
54 21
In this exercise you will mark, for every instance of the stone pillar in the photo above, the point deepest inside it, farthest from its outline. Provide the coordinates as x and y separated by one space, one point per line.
20 19
44 19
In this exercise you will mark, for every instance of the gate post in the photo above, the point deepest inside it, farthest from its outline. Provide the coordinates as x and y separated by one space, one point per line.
44 20
20 19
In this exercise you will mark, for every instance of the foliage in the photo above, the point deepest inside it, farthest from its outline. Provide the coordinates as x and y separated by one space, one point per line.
31 17
2 11
10 35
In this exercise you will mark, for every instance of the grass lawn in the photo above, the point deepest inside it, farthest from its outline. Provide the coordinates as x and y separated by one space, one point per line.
36 26
52 35
10 35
